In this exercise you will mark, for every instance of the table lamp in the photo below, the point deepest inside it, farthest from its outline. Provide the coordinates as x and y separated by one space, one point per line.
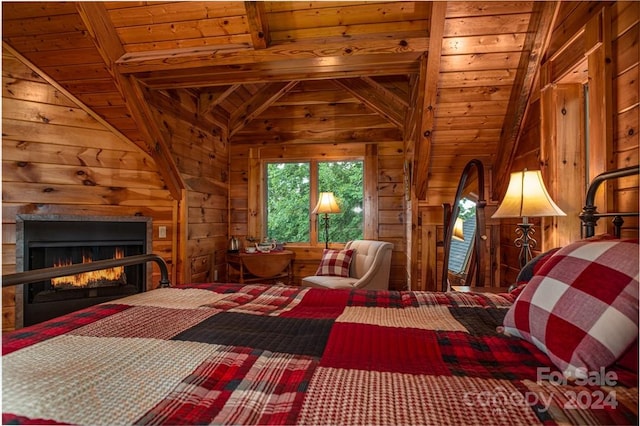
526 197
326 204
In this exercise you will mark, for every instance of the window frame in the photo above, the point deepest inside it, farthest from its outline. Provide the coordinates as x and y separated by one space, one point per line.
315 239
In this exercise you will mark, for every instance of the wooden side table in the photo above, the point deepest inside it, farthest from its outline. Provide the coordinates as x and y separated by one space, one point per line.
257 267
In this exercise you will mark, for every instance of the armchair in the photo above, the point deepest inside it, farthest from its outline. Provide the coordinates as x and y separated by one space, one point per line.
370 268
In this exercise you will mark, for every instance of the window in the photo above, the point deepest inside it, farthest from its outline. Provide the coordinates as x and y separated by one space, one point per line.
289 200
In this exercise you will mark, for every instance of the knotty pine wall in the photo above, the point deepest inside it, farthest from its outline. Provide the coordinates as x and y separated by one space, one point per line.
552 135
625 28
57 159
202 160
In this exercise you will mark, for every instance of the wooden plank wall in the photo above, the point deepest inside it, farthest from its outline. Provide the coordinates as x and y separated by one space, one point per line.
57 159
621 149
625 28
202 160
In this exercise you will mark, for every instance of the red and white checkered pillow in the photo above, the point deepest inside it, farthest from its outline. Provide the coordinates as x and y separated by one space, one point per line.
581 308
335 263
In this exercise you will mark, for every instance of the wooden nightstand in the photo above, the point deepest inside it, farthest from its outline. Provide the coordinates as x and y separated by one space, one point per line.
261 267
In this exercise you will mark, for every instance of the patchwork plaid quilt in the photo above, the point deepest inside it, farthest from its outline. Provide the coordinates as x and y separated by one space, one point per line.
260 354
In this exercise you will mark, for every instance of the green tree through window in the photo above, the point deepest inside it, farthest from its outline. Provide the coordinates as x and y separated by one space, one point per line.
289 200
344 179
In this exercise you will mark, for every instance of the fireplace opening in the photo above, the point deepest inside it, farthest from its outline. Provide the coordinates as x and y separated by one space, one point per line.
110 277
53 243
119 281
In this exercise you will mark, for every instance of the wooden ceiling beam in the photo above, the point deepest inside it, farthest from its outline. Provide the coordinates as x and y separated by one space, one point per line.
330 51
255 105
96 18
377 98
258 24
301 69
337 137
428 86
538 37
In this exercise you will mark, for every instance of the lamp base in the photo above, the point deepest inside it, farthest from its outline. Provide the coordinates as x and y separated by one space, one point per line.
326 230
525 242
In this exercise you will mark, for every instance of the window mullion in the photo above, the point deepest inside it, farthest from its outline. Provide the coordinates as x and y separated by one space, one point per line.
313 198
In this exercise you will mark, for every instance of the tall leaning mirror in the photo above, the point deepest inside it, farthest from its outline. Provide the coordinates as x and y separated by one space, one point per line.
464 225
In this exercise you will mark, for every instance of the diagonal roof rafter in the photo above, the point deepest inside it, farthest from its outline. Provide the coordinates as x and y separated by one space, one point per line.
97 21
377 97
257 104
538 36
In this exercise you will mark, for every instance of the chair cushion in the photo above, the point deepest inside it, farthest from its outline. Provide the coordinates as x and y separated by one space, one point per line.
581 307
335 263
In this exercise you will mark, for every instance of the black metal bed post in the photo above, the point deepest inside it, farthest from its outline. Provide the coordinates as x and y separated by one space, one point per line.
589 215
36 275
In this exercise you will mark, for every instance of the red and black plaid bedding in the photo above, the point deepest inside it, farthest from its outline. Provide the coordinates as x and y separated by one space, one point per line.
259 354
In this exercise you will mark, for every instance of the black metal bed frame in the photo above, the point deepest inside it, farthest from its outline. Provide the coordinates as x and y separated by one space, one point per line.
36 275
590 215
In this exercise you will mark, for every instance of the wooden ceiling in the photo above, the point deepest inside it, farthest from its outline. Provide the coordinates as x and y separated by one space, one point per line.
451 79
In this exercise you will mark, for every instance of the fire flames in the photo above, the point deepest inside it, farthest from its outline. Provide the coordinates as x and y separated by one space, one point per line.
92 278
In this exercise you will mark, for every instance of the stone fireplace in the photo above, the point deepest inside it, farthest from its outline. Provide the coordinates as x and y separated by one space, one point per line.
44 241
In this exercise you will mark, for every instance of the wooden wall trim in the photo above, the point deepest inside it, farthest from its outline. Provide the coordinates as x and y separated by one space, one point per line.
371 208
563 158
591 42
600 101
254 194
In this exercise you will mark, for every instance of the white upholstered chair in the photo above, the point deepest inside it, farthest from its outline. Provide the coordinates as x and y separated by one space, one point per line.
370 267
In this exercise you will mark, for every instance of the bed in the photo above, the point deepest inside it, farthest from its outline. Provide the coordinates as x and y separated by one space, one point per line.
223 353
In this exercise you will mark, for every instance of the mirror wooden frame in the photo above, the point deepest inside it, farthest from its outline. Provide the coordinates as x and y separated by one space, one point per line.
451 212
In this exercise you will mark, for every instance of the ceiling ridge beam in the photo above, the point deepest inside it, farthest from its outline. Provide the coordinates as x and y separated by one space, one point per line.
255 105
376 97
96 18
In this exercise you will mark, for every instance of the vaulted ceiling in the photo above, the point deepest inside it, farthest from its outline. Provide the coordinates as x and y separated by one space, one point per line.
451 79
